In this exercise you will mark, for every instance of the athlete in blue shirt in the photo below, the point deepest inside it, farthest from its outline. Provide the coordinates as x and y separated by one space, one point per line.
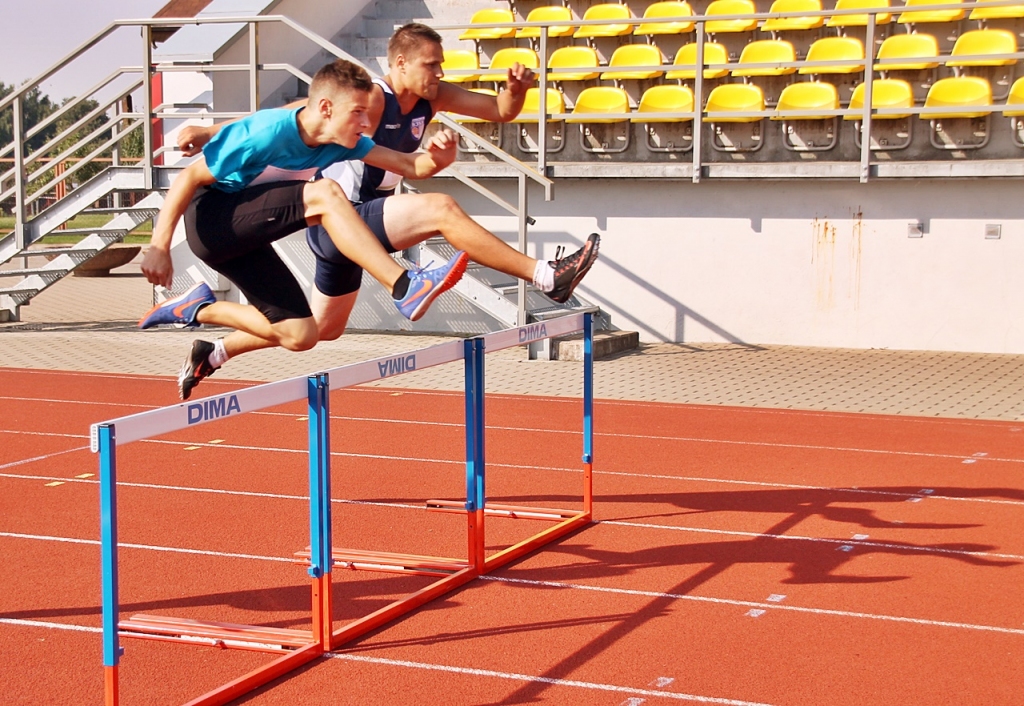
252 187
401 106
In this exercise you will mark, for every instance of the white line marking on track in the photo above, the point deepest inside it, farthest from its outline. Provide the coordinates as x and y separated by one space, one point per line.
542 680
451 669
754 604
564 585
41 458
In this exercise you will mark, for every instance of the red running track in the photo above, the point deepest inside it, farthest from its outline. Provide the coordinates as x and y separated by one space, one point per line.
740 557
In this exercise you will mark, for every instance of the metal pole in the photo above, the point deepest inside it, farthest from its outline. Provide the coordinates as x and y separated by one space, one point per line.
108 559
588 413
698 104
147 107
542 119
320 559
19 172
473 360
254 68
521 286
865 125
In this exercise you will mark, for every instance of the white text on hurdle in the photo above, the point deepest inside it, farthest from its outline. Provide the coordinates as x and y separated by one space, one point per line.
394 366
532 332
212 409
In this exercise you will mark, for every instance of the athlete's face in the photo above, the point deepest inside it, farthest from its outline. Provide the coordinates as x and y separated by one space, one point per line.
421 71
346 116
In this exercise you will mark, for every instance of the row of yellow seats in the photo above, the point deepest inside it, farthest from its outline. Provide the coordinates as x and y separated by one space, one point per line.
600 104
766 57
666 11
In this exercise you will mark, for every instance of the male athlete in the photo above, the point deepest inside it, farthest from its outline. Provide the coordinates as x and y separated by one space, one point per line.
252 187
401 106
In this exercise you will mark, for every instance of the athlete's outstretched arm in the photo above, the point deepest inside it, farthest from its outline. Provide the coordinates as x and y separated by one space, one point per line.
439 152
501 109
156 265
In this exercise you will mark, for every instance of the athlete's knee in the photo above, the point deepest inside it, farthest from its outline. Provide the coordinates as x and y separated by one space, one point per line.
299 335
444 208
326 191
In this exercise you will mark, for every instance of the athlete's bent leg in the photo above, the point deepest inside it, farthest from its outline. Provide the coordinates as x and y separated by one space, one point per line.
410 219
331 313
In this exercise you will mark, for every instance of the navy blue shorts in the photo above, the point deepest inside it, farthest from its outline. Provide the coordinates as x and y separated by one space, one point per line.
336 274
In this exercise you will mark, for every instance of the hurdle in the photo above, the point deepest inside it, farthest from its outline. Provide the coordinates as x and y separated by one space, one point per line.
293 648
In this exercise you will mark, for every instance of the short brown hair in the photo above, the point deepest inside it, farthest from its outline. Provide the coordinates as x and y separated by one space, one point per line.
340 74
409 37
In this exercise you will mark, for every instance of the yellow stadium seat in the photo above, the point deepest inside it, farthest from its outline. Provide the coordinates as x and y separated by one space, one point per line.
490 16
810 95
595 101
766 51
552 13
909 47
954 14
984 41
959 92
470 118
531 106
460 60
778 24
634 55
666 98
734 98
730 7
584 58
503 59
608 11
1009 12
858 20
1016 97
885 93
835 49
687 56
665 9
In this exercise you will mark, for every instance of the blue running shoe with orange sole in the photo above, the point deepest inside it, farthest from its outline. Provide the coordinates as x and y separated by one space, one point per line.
426 285
181 309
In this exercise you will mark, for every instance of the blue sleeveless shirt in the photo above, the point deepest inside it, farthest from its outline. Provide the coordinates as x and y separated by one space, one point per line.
397 131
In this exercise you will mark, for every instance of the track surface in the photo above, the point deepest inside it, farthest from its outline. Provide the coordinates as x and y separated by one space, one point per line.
741 556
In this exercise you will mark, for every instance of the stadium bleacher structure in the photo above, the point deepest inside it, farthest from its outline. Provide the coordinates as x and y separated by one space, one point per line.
603 58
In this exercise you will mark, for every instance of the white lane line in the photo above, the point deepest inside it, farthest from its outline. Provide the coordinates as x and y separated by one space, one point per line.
757 605
594 686
925 549
575 586
823 540
451 669
599 434
42 458
51 626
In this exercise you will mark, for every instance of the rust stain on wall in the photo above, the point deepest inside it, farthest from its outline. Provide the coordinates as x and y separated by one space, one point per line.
823 256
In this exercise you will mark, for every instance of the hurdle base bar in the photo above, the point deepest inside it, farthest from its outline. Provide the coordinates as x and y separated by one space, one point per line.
577 521
382 616
389 562
258 677
215 634
515 512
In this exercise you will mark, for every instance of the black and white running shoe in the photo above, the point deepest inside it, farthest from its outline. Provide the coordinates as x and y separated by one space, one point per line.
195 368
571 269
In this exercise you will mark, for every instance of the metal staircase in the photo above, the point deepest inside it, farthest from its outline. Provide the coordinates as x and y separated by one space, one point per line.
507 301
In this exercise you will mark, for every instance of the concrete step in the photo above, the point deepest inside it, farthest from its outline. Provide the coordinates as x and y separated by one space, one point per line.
606 343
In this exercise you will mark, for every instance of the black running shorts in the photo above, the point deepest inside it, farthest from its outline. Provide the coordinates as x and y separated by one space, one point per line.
233 233
336 274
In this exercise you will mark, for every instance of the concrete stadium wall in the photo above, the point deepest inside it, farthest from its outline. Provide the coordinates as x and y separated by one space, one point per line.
810 263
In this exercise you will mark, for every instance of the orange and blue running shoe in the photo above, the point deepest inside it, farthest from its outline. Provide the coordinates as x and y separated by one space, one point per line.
426 285
181 309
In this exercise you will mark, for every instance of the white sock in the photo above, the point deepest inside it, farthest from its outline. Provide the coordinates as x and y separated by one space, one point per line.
218 356
544 276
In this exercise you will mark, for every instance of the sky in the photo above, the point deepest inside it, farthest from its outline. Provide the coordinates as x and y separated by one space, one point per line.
39 33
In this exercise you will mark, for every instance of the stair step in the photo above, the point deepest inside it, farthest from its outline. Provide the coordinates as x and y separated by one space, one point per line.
25 293
124 209
557 310
89 231
32 271
57 251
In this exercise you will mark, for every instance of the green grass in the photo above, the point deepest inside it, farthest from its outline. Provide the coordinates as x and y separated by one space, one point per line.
140 235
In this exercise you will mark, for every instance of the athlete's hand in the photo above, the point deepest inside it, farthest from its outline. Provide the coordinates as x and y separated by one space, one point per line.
157 267
191 139
442 147
519 79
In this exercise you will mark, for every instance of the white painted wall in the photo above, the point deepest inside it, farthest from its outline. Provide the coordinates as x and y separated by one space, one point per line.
797 263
